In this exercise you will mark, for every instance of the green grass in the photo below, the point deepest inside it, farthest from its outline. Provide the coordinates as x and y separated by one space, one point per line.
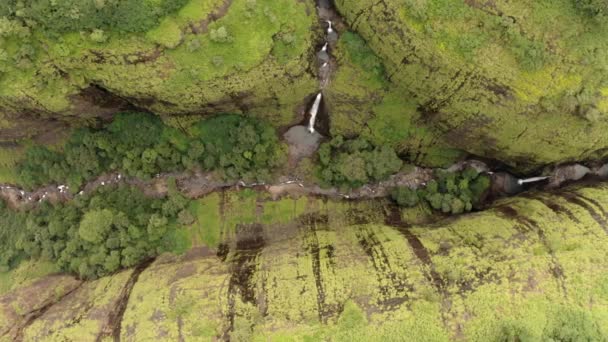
208 225
9 157
25 273
251 29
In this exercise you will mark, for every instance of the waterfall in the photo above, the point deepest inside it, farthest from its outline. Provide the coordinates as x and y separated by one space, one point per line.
531 180
313 113
329 29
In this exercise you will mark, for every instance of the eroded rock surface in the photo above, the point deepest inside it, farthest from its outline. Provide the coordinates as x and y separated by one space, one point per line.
303 268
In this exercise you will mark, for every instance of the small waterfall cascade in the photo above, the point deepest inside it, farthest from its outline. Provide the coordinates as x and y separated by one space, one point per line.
330 29
314 110
531 180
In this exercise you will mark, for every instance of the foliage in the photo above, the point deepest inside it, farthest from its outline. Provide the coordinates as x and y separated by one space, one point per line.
76 15
353 163
593 7
220 35
362 55
405 197
95 234
140 145
240 147
451 192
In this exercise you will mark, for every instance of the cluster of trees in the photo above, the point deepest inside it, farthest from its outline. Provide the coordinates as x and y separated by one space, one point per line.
240 147
94 235
353 163
61 16
140 145
11 227
451 192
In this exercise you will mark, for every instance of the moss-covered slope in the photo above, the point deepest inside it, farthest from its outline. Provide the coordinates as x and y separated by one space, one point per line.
531 268
208 56
522 82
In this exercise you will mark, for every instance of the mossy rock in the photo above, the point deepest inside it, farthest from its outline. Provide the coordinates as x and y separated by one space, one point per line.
521 82
180 67
529 268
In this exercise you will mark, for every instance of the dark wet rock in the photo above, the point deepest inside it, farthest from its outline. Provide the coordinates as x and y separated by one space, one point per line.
568 173
602 171
332 37
505 184
301 142
325 4
323 57
475 164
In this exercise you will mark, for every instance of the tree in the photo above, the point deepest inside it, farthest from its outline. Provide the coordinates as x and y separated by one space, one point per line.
96 225
405 196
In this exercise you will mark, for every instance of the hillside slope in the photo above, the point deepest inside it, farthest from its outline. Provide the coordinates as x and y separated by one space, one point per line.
529 268
517 81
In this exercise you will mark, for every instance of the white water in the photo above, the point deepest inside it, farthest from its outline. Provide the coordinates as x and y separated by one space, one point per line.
531 180
314 110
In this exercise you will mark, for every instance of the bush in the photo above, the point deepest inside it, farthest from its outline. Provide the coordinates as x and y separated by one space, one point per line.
405 197
593 7
220 35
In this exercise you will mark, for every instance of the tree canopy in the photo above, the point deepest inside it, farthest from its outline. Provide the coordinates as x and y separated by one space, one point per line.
94 234
141 145
353 163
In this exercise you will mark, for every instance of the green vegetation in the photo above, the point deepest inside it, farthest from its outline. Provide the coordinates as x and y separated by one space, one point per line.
353 163
364 103
25 273
242 148
72 15
95 234
170 57
452 192
9 157
496 79
140 145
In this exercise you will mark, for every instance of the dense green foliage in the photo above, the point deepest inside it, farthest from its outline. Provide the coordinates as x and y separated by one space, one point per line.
353 163
77 15
95 234
140 145
452 192
240 147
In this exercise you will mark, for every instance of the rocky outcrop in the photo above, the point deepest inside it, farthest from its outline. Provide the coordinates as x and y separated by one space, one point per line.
258 63
498 79
530 267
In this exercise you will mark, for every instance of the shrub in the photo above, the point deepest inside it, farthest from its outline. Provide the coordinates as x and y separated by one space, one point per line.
220 35
405 196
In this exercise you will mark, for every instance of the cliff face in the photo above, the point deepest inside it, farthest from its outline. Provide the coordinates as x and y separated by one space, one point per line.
207 57
520 82
530 268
